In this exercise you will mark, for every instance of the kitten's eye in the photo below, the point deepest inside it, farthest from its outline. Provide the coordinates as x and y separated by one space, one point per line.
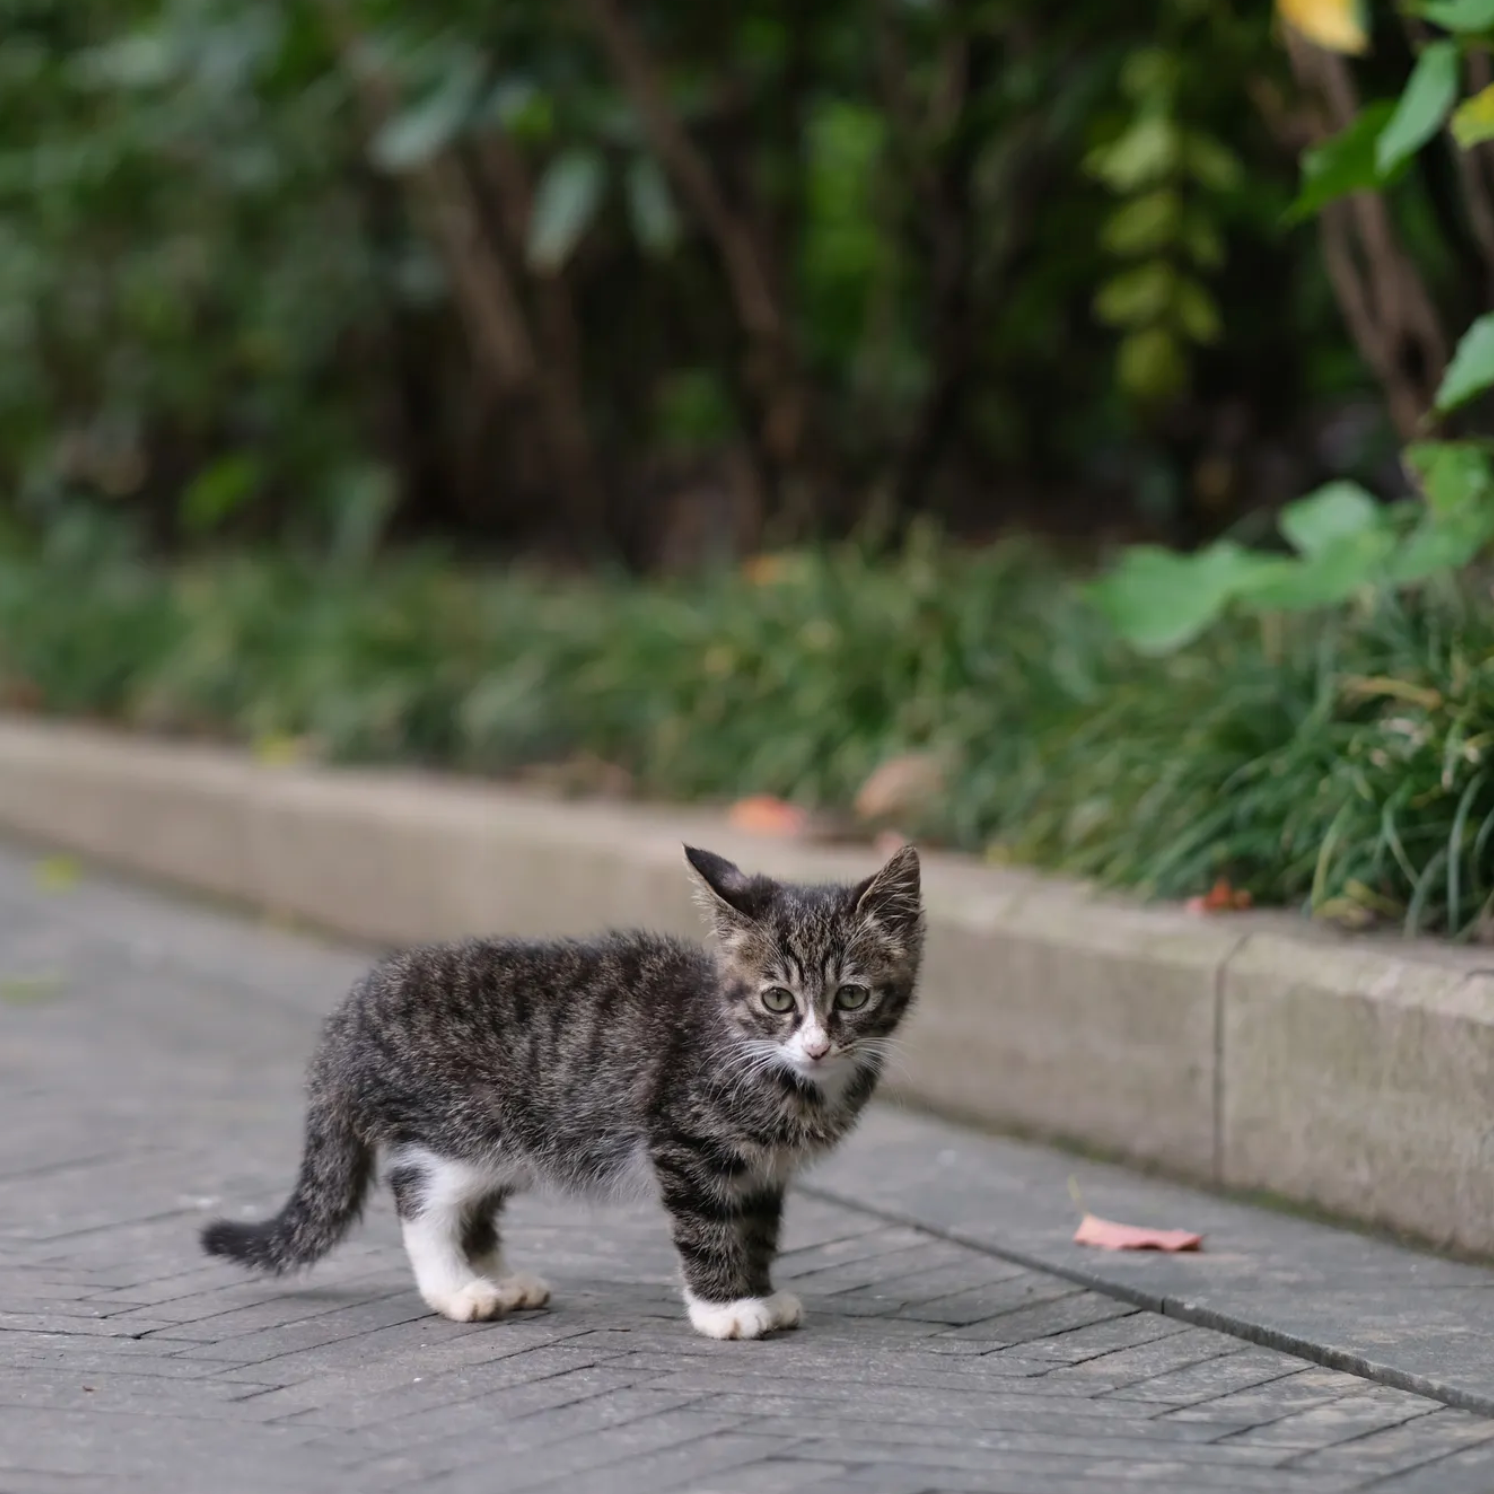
852 998
777 1000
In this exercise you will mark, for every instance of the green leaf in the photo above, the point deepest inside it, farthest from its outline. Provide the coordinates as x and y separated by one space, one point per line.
1462 16
1454 476
1203 241
1344 163
1196 311
219 491
1472 368
1158 600
656 221
421 132
1145 224
519 108
141 60
1442 543
1314 523
1473 119
1138 295
1151 74
1150 364
1324 577
361 497
1145 153
567 199
1428 96
1211 163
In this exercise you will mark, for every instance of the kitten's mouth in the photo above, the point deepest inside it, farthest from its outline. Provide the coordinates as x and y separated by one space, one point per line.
818 1068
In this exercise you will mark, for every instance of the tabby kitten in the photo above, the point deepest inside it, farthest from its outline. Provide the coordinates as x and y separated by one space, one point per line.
481 1069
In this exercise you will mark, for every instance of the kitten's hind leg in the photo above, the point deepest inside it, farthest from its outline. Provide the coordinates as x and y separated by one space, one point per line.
483 1246
438 1199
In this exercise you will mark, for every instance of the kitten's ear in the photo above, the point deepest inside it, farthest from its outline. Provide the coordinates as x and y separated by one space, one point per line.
730 898
892 898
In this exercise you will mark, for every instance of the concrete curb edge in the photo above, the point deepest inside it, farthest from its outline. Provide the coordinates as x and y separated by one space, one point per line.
1250 1051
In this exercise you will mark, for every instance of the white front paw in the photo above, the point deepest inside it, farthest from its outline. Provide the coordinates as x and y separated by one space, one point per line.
747 1317
520 1289
475 1302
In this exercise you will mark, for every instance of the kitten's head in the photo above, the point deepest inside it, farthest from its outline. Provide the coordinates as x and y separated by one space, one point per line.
818 977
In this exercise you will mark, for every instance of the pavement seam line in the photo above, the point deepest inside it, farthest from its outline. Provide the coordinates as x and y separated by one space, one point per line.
1192 1313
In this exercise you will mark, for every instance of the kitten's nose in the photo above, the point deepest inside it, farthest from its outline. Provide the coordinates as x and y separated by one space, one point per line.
816 1047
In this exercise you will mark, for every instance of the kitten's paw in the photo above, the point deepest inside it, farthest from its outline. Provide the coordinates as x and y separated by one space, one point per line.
474 1303
523 1290
787 1310
747 1317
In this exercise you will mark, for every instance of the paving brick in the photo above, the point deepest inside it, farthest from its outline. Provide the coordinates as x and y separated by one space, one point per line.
954 1416
1213 1378
826 1278
1045 1320
1078 1462
1470 1471
130 1363
437 1365
979 1304
1422 1440
931 1443
539 1450
486 1394
72 1389
969 1272
768 1476
1338 1420
670 1468
863 1385
1123 1331
1145 1361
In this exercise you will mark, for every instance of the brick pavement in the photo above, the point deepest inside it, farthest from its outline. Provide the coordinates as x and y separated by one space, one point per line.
150 1058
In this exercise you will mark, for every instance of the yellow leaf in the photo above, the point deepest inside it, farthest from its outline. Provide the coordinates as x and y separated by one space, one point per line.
277 750
56 874
774 568
28 990
763 570
1337 25
1473 119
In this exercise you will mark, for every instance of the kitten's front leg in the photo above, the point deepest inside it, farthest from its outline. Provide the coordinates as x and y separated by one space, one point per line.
726 1241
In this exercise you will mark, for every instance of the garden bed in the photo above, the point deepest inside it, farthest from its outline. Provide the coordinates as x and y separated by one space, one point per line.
1334 762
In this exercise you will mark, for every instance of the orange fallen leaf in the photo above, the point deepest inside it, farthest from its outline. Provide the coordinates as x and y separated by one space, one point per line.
1220 898
1105 1234
764 570
762 814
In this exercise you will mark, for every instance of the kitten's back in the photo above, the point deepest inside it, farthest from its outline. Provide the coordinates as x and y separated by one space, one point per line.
553 1048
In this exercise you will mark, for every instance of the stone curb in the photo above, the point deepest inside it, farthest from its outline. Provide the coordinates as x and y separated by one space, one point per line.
1249 1051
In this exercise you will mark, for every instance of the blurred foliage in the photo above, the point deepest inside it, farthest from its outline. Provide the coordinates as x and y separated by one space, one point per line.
316 270
1341 763
1341 540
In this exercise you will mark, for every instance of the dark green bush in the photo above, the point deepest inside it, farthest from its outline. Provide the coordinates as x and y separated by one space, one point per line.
304 270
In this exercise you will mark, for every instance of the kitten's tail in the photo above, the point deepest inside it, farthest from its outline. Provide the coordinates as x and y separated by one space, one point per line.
336 1169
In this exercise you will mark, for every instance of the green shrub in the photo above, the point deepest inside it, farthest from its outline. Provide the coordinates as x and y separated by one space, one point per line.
1336 761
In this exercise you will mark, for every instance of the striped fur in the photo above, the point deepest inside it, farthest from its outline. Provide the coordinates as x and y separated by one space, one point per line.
602 1067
